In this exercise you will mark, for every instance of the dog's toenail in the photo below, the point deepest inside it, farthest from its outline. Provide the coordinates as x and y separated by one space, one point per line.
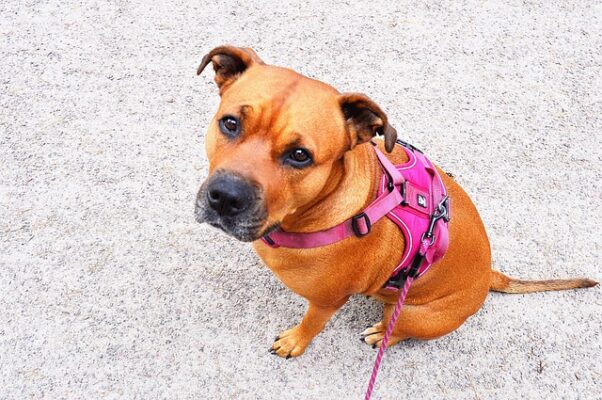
277 338
289 356
374 346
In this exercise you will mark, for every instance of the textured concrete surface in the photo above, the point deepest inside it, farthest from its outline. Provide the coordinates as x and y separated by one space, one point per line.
109 289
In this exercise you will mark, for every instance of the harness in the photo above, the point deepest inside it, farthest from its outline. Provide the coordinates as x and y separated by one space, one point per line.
413 196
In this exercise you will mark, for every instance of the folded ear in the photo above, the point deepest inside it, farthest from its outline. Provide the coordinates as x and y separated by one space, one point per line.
365 119
229 63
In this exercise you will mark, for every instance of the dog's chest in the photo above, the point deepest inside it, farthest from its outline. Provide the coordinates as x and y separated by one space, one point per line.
339 270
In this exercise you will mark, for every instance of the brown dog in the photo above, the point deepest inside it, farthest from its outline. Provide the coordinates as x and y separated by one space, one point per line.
289 151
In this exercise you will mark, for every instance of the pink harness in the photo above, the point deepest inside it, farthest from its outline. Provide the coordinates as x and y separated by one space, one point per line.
411 195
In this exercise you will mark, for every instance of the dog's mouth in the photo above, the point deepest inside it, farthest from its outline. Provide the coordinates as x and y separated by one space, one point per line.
247 231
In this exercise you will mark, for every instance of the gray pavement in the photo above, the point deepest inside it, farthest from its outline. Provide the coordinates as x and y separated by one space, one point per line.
108 287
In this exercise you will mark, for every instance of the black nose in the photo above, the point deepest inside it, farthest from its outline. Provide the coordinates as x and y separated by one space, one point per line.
229 195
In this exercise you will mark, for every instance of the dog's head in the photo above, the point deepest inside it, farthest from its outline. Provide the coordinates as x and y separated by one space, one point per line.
274 141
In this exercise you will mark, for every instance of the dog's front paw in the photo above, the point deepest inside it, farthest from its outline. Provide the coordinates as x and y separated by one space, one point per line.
290 343
374 335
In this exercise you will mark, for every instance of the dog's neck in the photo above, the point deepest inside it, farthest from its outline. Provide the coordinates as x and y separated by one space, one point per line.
350 187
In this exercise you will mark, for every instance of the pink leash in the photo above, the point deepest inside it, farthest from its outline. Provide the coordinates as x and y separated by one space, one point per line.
383 345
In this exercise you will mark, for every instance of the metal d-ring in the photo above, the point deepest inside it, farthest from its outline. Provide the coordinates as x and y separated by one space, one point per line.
431 237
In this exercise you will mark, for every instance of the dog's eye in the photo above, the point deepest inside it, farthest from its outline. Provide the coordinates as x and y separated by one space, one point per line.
230 126
300 155
298 158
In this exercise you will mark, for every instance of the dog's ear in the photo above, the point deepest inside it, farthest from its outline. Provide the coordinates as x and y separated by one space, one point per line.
364 119
229 63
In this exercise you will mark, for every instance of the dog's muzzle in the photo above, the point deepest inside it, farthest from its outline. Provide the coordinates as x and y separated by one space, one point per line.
232 203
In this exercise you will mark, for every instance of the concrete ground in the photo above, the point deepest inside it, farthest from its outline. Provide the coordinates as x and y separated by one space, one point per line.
108 287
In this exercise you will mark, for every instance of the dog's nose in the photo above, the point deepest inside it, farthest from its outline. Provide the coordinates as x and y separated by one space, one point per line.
229 195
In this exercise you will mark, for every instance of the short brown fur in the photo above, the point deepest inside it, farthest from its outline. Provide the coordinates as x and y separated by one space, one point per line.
282 107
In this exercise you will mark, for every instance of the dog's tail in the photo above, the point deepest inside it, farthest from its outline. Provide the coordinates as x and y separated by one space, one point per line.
505 284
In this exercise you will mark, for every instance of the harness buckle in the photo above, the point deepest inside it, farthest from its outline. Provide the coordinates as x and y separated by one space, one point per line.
400 278
269 241
404 193
359 231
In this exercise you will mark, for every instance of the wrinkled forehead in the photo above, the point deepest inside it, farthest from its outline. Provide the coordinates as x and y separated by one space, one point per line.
285 107
271 81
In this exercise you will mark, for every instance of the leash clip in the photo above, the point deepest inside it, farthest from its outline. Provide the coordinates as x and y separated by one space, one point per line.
439 213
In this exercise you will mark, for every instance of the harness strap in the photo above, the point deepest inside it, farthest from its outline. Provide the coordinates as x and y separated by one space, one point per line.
395 176
358 225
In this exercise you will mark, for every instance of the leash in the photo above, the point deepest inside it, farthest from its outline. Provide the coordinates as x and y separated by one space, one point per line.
408 277
383 345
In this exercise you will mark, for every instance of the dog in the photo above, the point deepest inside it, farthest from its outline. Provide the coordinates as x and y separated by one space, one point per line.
291 153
